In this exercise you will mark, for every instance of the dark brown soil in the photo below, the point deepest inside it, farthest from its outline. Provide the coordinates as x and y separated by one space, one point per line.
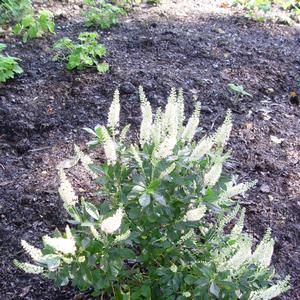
190 44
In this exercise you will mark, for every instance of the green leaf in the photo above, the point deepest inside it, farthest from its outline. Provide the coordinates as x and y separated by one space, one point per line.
92 210
145 200
102 68
89 130
52 261
136 191
159 198
214 289
153 186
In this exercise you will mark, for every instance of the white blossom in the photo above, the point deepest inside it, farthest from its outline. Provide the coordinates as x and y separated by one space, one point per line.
264 251
213 175
242 255
145 128
223 132
192 125
109 147
188 236
114 112
28 268
157 128
64 245
165 148
33 252
122 237
167 171
202 148
195 214
170 117
271 292
94 232
66 191
238 189
180 110
112 224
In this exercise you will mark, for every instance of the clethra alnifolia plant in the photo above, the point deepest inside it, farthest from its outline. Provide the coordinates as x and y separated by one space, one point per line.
169 227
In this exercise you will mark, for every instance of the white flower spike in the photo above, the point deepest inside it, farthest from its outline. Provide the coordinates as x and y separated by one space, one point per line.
195 214
213 175
114 112
112 224
66 191
33 252
63 245
109 147
146 125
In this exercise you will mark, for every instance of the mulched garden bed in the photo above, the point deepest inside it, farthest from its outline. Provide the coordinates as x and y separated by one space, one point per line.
190 44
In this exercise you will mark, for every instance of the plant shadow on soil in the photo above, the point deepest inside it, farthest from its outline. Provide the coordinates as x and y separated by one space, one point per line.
43 111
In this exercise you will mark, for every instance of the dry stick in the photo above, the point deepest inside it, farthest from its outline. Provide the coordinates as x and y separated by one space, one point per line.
39 149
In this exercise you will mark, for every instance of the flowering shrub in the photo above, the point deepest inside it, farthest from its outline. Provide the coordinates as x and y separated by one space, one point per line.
169 227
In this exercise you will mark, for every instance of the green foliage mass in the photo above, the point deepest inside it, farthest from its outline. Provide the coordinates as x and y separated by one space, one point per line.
167 227
84 54
101 14
9 65
32 27
12 11
259 9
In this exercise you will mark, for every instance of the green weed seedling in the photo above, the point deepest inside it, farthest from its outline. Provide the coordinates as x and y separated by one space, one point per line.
101 14
9 66
32 27
259 9
12 11
84 54
167 226
239 92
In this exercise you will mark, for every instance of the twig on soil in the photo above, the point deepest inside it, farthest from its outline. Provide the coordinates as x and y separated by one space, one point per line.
39 149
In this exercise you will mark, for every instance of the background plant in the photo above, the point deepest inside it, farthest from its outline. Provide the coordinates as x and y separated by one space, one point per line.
262 9
163 230
34 27
238 91
84 54
12 11
101 14
9 65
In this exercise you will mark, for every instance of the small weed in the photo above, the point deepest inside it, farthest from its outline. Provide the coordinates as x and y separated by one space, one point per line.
283 11
8 66
84 54
239 92
12 11
32 27
101 14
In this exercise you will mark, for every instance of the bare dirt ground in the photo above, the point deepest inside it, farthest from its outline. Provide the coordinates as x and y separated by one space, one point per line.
191 44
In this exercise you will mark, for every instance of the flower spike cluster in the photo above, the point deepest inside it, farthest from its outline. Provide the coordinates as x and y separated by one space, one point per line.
164 202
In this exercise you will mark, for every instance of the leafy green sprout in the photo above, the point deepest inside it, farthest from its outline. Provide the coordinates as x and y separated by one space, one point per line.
34 27
8 65
258 9
239 92
102 14
85 53
12 11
